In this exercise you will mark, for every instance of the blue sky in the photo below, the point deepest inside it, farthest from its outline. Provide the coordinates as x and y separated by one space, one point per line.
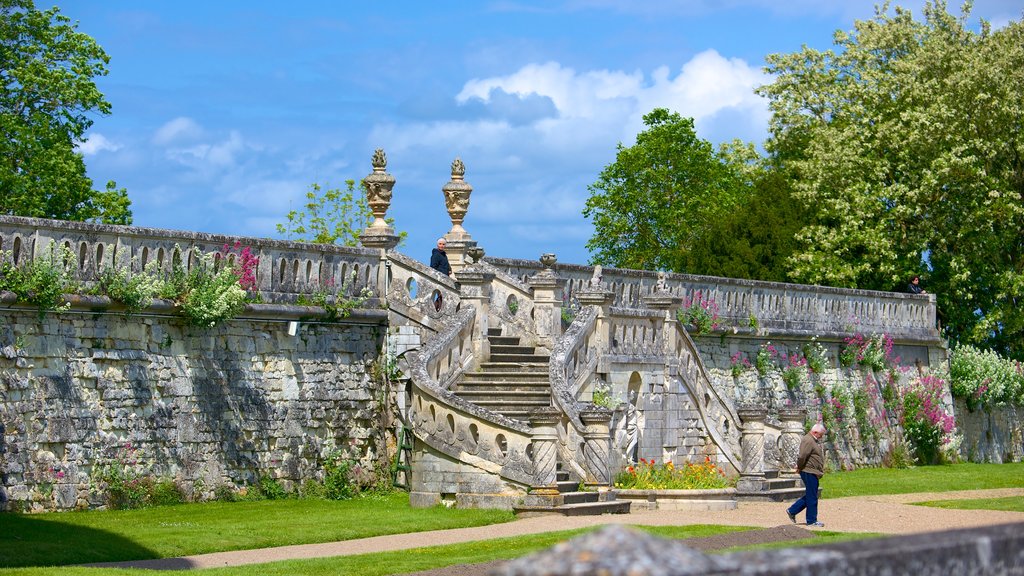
225 112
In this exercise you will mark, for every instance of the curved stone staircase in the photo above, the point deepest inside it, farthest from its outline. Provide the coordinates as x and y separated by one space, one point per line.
513 381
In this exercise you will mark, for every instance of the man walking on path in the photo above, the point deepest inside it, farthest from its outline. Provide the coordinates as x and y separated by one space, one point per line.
810 462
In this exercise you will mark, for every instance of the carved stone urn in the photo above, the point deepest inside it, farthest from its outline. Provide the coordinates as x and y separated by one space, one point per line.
378 189
456 199
475 252
548 260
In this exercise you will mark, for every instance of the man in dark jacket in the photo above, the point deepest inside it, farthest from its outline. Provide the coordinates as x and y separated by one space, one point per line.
439 259
810 462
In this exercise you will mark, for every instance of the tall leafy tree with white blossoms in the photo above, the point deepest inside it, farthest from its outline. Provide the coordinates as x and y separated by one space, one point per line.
908 139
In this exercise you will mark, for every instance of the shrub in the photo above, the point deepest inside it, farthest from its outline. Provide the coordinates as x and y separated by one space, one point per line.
270 488
984 378
603 396
793 372
765 359
120 481
166 493
43 281
648 475
225 493
816 355
333 301
136 291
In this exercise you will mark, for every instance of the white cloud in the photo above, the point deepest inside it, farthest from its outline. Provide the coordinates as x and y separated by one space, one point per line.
216 156
96 143
180 128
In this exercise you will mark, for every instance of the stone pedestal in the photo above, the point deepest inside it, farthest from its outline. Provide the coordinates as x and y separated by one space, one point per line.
544 437
752 477
597 444
789 442
547 303
475 290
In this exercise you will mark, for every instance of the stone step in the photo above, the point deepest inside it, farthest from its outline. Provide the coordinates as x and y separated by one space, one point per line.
516 349
519 367
581 509
565 486
779 495
580 497
483 396
488 375
504 386
521 406
520 358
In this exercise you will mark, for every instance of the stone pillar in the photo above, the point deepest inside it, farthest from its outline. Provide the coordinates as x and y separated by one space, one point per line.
544 437
752 477
595 294
378 195
547 303
597 444
456 200
789 441
475 290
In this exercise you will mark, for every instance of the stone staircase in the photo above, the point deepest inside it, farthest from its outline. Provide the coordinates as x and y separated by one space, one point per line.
576 502
513 381
777 488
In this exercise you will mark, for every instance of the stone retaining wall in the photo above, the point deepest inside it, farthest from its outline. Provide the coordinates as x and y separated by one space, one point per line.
991 434
204 407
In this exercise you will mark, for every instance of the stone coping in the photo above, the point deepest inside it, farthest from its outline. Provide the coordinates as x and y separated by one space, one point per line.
689 500
253 311
671 494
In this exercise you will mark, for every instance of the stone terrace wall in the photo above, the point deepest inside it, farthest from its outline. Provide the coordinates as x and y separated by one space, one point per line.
285 269
991 435
206 407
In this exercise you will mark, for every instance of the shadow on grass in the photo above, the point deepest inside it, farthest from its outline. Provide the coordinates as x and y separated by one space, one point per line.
27 540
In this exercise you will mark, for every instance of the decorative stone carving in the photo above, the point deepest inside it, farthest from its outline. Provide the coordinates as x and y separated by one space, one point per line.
752 477
597 443
476 253
544 438
378 196
789 441
456 200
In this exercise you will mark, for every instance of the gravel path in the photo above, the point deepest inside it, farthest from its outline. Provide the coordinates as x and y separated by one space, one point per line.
891 514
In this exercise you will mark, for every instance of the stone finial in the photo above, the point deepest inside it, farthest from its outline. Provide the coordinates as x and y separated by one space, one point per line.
548 260
456 199
595 280
661 285
378 190
475 252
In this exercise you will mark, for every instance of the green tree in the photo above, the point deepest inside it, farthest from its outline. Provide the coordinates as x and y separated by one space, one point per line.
660 196
331 216
908 141
46 95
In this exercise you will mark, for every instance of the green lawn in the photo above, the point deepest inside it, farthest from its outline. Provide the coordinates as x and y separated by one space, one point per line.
1008 504
386 563
110 536
870 481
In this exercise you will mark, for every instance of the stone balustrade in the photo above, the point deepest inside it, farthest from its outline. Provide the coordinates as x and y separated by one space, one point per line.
285 269
778 307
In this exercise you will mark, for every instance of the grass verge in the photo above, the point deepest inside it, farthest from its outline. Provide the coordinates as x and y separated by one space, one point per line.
387 563
166 531
1008 504
953 477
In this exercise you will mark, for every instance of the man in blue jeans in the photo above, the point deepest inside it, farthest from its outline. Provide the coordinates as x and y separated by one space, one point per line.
810 462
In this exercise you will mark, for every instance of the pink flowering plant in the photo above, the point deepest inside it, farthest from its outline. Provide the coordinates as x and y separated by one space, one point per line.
738 363
794 366
244 264
120 480
925 422
699 311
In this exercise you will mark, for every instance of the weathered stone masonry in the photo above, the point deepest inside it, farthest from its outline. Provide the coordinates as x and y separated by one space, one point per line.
206 407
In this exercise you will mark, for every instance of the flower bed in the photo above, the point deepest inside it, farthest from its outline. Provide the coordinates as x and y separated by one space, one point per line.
664 499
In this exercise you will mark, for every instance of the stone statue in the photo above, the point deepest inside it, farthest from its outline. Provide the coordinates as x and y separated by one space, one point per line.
595 280
631 440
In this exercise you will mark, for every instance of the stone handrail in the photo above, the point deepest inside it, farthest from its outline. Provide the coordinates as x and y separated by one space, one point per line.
412 287
503 288
714 411
572 363
778 307
285 269
453 426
